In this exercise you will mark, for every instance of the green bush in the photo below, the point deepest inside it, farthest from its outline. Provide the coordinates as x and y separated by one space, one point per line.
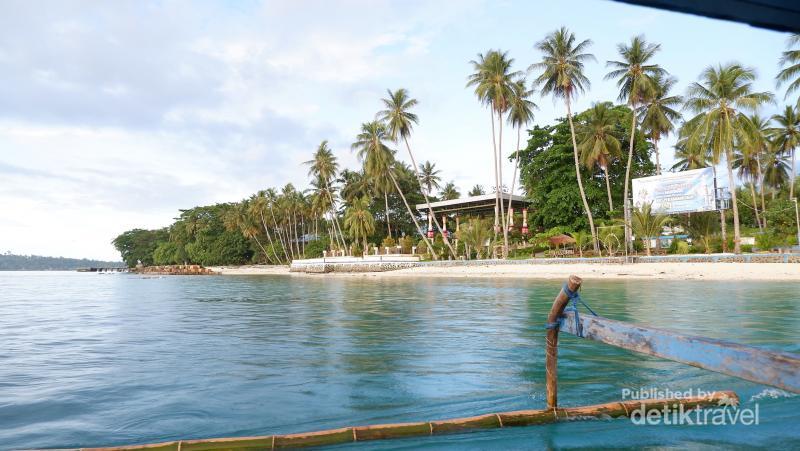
406 243
678 247
748 248
314 248
388 242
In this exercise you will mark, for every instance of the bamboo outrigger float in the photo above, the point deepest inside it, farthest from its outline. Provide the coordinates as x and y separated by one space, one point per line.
780 370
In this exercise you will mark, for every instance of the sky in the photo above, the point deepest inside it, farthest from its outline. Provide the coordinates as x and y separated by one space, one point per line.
115 115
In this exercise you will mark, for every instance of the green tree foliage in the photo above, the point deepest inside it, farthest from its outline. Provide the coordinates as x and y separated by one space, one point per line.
138 245
547 170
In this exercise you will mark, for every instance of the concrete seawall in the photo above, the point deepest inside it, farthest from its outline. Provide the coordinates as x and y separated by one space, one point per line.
382 263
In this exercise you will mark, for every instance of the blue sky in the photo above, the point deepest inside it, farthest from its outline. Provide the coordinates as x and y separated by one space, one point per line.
116 114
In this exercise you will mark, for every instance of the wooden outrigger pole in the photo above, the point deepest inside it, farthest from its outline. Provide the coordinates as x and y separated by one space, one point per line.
776 369
780 370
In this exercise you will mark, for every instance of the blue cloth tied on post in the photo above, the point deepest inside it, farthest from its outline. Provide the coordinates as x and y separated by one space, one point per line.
574 297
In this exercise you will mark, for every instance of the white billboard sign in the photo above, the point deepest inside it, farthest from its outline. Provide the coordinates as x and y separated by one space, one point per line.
677 192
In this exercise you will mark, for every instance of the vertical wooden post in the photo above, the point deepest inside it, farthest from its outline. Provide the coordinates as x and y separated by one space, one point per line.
551 351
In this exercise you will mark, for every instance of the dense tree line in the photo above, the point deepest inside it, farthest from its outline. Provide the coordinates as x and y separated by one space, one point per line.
576 172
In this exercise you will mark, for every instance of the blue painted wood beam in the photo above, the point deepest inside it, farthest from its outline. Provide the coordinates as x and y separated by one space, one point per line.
776 369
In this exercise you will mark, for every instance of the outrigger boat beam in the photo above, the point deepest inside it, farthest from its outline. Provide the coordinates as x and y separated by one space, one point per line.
776 369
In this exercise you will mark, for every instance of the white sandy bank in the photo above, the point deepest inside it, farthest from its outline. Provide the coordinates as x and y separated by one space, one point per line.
666 271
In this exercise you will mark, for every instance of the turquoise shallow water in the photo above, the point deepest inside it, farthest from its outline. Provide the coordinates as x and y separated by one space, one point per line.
90 360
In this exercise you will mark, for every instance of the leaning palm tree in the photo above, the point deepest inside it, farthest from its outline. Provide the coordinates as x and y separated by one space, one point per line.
238 218
719 99
449 192
358 221
429 176
634 76
597 143
259 203
562 76
790 62
787 138
756 146
659 112
647 223
690 157
378 160
493 82
520 113
324 168
400 122
746 165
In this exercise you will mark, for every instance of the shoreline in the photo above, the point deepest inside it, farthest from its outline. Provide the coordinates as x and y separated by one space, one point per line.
718 271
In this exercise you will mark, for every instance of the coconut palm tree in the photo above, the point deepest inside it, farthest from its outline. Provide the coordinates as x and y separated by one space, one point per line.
647 223
634 75
790 62
359 221
378 160
757 145
719 99
449 192
258 204
493 81
660 112
746 165
597 144
272 202
399 122
429 176
562 76
776 169
476 190
581 240
238 218
787 138
323 166
520 113
475 234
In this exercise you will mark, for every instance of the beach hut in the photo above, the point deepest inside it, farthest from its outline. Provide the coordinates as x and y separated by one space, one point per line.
563 245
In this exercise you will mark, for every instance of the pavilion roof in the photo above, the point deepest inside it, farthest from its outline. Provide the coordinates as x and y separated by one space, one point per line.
474 204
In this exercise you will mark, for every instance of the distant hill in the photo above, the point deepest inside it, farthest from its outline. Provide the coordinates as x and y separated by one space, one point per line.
11 262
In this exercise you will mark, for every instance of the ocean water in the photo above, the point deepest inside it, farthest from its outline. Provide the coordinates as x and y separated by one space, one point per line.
91 360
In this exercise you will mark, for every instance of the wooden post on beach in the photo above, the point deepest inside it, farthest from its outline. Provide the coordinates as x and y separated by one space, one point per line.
551 351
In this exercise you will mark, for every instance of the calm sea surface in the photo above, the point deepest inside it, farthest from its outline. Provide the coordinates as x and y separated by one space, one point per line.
90 360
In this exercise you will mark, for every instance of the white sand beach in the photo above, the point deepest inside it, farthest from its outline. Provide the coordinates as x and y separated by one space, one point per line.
665 271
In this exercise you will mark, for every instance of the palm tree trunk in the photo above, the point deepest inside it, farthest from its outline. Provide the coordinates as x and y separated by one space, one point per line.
266 254
269 236
500 177
578 176
722 226
496 177
516 166
755 205
627 215
737 248
386 203
658 160
414 218
427 200
761 188
278 230
333 212
608 188
791 187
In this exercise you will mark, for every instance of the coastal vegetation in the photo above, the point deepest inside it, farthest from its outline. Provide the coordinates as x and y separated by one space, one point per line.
575 172
12 262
